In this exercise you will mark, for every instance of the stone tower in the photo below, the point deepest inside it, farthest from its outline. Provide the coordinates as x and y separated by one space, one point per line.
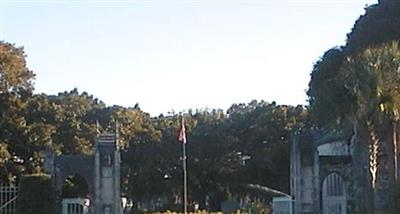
101 171
107 198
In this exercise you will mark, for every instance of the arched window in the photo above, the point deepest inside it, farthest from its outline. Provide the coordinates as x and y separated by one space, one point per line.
333 195
333 185
107 160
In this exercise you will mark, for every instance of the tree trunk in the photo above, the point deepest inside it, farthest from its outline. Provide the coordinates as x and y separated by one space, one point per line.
362 178
373 156
385 177
395 152
391 141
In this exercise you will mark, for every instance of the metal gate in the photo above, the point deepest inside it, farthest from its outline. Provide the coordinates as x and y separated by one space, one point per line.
8 199
333 195
282 205
75 206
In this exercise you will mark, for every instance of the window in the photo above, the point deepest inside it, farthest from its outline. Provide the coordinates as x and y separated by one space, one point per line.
333 185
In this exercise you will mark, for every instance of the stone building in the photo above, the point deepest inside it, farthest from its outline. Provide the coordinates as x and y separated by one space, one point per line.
321 173
100 170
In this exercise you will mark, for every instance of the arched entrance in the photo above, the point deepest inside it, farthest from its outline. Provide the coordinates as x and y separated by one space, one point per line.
75 195
96 177
75 186
333 195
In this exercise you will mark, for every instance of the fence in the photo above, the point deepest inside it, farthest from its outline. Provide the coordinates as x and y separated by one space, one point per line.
8 199
75 206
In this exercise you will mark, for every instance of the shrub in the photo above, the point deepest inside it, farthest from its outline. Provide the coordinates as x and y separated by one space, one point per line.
36 195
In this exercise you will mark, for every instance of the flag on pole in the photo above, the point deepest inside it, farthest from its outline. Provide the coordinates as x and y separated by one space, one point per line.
182 132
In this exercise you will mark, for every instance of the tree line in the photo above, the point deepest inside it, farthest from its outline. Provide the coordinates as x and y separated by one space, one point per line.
247 144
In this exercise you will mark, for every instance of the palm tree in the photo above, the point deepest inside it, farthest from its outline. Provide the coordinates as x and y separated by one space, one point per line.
373 79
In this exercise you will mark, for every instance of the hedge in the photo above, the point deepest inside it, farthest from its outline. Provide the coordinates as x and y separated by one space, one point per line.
36 195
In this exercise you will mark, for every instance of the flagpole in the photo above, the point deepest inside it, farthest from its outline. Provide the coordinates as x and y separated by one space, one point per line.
184 179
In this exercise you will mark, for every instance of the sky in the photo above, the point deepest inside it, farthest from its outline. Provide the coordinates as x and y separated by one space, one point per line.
181 54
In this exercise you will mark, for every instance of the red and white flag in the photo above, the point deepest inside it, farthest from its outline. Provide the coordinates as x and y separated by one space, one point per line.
182 132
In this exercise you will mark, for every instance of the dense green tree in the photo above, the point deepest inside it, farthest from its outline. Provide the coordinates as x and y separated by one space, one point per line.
75 131
15 76
382 106
248 145
357 84
15 88
380 24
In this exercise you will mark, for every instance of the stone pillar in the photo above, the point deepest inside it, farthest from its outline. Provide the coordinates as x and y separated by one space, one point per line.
107 175
316 182
49 160
64 208
96 205
295 167
117 196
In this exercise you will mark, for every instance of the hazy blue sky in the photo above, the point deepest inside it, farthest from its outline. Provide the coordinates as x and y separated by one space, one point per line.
177 55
